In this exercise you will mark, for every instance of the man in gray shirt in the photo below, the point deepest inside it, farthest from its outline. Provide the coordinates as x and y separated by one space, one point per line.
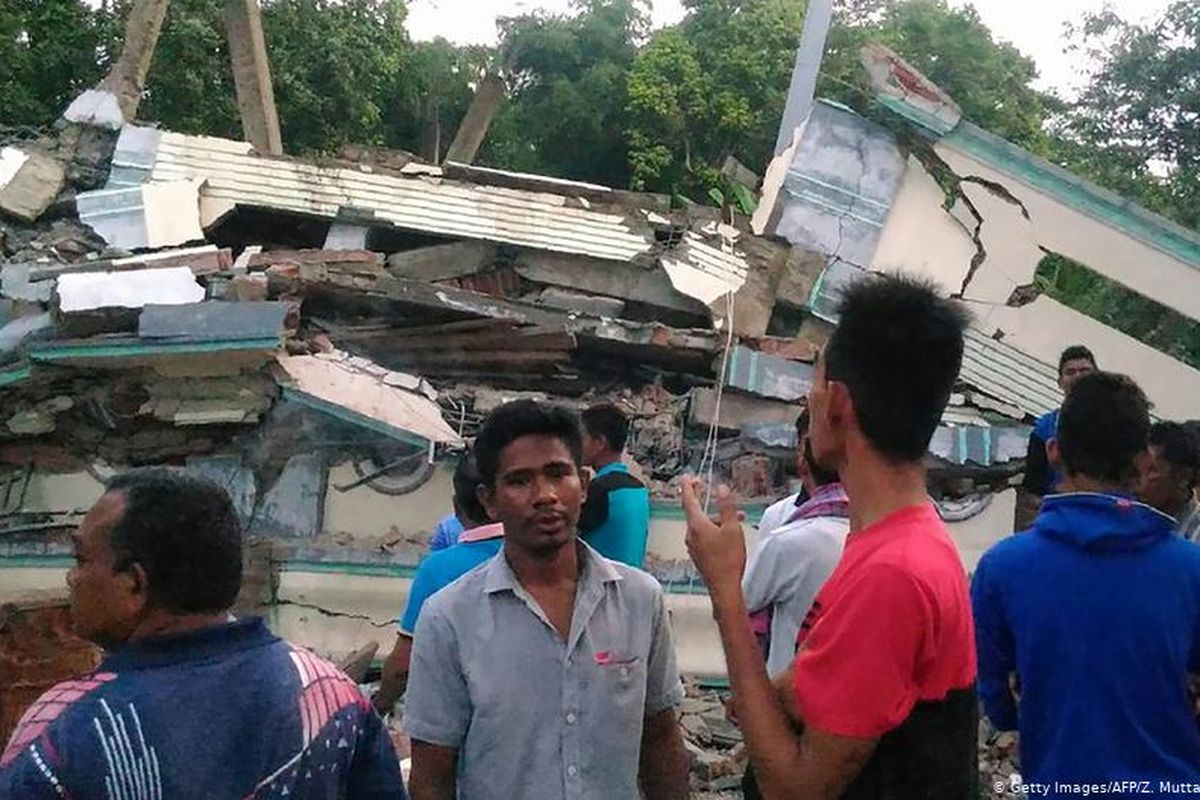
547 672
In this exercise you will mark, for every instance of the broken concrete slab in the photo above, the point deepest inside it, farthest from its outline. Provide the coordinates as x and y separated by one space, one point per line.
15 284
629 282
214 321
554 297
330 383
92 290
739 173
839 186
902 88
739 410
767 375
32 186
443 261
209 401
754 301
706 271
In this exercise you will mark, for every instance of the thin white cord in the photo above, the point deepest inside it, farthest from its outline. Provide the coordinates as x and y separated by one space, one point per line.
709 456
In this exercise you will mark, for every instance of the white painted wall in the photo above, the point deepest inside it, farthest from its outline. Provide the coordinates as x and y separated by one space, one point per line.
917 240
366 514
1045 327
1105 249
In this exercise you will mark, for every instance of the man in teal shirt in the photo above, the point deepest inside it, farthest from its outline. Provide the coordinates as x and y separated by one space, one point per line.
616 516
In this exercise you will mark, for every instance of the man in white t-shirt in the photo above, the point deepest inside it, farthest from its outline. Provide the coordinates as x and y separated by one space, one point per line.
799 545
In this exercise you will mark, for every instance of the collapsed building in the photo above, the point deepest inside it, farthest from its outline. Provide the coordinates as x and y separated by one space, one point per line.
323 336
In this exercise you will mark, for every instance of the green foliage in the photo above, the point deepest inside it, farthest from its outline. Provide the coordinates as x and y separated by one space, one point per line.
568 76
1138 316
190 84
50 51
1135 127
713 86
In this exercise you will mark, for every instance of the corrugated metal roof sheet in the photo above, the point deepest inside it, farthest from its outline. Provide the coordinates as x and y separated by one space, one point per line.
1007 374
235 176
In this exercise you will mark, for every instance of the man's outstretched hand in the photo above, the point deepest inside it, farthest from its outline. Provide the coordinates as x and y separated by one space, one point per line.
717 546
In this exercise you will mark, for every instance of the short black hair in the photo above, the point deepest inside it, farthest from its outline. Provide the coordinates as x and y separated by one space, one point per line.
1179 447
185 533
1103 427
608 421
898 347
1075 352
520 418
466 495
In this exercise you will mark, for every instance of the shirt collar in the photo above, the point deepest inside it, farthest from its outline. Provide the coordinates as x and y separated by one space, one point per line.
594 571
482 533
616 466
829 500
195 645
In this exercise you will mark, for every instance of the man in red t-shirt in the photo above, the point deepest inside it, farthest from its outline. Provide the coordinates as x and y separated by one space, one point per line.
880 701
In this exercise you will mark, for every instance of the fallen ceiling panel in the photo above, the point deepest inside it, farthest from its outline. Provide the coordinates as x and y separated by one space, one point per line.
358 391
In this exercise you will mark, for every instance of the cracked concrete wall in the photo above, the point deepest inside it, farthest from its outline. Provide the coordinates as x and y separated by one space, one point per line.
1059 228
844 175
1045 327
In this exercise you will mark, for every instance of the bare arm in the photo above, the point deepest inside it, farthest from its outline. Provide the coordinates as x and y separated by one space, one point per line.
663 771
433 776
787 764
395 675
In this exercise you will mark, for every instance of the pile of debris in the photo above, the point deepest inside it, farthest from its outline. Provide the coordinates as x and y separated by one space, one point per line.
163 295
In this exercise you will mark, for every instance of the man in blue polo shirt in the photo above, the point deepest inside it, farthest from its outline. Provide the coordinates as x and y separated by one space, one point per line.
480 540
616 516
1041 476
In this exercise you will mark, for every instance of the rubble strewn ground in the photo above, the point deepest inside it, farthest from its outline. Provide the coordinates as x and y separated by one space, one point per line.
718 759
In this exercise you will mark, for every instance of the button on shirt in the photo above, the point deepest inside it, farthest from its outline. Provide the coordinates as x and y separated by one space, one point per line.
534 716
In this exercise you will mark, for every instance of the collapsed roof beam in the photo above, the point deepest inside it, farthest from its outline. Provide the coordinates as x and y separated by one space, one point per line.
127 78
252 76
487 101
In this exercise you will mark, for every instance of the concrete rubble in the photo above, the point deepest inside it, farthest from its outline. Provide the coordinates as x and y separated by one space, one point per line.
178 298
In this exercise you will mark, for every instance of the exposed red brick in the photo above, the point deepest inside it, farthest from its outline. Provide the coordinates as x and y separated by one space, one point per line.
37 650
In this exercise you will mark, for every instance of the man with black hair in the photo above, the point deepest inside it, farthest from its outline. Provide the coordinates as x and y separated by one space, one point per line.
880 700
779 512
1094 614
616 516
480 540
1169 472
789 564
548 672
1041 476
188 702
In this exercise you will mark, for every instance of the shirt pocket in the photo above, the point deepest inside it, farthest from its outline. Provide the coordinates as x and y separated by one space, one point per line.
621 678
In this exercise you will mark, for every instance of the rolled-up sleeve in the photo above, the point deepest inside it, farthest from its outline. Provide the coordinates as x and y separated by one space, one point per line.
664 689
438 707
